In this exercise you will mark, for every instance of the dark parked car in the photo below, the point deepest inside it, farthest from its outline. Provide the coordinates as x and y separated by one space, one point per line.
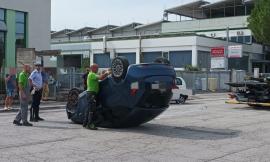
133 95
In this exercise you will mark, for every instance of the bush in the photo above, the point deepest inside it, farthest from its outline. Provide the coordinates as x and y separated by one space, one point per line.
191 68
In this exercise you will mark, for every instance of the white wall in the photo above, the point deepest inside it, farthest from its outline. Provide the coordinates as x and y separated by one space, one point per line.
39 12
148 30
147 45
86 46
205 24
177 43
208 42
223 33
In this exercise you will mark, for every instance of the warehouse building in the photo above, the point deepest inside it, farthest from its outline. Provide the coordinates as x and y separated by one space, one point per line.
200 27
23 24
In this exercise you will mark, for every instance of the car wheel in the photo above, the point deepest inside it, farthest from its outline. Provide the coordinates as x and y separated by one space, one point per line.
162 60
72 101
182 99
119 68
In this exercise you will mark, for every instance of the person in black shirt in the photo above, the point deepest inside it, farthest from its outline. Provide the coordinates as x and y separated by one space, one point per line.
84 77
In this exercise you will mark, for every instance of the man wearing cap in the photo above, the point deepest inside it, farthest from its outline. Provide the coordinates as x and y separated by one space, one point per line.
36 84
24 95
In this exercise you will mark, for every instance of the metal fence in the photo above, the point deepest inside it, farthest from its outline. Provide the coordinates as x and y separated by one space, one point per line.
212 80
71 78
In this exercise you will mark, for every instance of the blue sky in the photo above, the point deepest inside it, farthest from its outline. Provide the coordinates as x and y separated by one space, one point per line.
76 14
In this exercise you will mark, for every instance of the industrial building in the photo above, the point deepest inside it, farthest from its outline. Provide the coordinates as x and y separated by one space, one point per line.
197 28
23 26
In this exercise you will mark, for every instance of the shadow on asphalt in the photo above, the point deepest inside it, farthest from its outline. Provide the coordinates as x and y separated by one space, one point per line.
58 122
253 108
192 132
54 127
187 103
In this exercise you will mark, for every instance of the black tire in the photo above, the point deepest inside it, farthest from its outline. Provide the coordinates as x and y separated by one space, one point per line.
182 99
162 60
73 97
119 68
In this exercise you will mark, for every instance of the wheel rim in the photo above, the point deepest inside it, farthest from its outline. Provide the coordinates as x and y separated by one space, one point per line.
72 101
181 99
117 68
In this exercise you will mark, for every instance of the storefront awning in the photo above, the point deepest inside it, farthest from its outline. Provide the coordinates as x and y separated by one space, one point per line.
3 26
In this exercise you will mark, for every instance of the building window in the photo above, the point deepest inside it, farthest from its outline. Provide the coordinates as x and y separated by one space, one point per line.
234 39
2 15
103 60
248 39
20 30
240 39
179 59
2 39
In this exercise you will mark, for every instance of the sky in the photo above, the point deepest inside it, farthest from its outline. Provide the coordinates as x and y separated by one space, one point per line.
76 14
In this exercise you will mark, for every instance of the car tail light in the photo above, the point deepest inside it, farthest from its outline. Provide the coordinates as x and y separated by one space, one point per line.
174 86
134 87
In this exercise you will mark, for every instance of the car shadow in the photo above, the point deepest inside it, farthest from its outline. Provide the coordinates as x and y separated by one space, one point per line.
189 132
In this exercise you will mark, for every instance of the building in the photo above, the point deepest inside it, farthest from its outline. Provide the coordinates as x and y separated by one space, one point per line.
200 26
23 24
222 19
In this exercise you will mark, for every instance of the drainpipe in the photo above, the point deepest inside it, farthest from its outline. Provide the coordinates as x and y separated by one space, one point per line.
140 48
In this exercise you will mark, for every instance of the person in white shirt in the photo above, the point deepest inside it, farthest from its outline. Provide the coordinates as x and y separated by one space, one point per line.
36 83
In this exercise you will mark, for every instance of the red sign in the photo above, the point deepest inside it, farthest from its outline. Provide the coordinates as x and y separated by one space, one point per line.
217 52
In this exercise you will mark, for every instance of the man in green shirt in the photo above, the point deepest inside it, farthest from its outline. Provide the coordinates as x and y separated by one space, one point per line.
24 94
93 90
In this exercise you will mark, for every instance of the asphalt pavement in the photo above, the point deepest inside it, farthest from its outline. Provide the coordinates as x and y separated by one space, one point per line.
204 129
45 105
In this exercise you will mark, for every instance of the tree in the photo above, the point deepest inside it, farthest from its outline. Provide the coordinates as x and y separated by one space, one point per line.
259 21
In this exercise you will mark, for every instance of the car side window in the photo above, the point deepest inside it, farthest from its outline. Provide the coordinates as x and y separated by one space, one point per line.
178 81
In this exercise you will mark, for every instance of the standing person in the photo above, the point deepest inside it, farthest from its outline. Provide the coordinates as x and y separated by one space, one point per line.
10 87
93 90
84 77
35 80
45 80
24 95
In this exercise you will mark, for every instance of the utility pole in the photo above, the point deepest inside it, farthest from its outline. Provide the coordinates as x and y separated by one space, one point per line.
226 59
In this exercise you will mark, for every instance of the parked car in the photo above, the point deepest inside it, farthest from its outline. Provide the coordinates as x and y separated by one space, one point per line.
133 95
180 91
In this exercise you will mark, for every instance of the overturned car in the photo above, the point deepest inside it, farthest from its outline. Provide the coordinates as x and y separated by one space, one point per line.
132 95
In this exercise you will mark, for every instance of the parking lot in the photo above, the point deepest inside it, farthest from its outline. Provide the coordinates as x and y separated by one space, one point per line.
204 129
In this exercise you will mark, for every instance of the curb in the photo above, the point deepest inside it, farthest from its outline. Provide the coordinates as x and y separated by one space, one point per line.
53 107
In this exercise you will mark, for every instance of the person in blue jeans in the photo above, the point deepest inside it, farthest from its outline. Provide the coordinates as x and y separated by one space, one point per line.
10 87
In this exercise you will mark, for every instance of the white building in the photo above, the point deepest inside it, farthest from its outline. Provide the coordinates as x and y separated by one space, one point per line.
188 42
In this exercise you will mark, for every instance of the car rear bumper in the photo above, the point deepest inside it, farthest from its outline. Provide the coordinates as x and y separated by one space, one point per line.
155 99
